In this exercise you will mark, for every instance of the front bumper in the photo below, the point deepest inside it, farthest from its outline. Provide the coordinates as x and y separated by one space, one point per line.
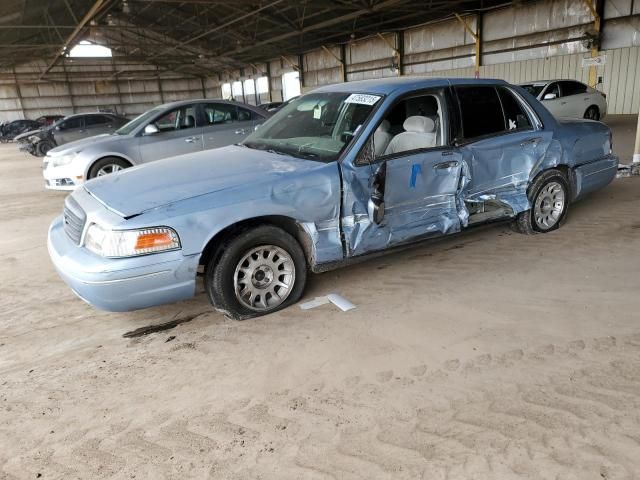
64 177
122 284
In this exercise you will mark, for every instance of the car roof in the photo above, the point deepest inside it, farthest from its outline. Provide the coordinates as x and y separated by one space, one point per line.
88 114
544 82
386 86
181 103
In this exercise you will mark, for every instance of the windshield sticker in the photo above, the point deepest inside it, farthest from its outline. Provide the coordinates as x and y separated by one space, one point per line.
362 99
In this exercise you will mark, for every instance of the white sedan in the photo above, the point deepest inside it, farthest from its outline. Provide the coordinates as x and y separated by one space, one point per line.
569 98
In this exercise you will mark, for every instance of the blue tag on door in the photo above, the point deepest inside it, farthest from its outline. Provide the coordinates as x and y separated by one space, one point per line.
416 169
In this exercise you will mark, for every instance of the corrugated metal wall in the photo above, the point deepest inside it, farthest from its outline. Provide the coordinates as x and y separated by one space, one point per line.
530 41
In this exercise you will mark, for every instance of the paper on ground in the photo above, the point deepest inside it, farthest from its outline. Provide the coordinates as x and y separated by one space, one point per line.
341 302
316 302
338 300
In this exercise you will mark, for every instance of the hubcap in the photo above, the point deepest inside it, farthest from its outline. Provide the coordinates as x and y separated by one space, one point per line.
549 205
107 169
264 277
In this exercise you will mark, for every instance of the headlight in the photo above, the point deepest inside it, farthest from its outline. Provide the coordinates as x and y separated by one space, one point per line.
130 243
63 159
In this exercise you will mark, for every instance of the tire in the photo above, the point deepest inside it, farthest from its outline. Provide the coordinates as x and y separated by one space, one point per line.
107 165
244 266
592 113
546 192
43 147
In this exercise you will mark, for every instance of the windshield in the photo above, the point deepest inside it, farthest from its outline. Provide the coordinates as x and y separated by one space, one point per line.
127 128
317 126
534 88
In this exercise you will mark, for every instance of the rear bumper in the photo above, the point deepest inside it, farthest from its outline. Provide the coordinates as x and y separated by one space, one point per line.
125 284
594 176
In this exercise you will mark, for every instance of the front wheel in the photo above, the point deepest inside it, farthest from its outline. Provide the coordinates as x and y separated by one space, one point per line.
107 165
260 271
43 147
549 198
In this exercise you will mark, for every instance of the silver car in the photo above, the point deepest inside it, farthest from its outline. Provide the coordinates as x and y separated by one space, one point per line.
165 131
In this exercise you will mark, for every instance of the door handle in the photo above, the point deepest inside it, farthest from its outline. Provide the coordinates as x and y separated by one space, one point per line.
445 165
240 131
190 139
531 142
563 103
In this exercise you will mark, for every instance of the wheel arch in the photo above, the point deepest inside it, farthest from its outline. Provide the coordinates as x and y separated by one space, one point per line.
103 156
565 169
212 250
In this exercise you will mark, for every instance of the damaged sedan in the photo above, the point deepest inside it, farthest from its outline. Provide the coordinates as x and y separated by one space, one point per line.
342 173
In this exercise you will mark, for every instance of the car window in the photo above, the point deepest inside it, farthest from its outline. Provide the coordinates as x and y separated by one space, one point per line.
70 123
316 126
481 111
514 115
218 113
93 120
413 124
180 118
533 88
572 88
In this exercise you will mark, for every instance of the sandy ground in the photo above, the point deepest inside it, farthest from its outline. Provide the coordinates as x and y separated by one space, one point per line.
486 355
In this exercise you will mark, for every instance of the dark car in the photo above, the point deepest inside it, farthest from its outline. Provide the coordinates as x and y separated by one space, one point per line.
12 129
69 129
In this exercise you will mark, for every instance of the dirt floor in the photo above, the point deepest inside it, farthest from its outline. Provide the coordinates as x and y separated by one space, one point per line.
487 355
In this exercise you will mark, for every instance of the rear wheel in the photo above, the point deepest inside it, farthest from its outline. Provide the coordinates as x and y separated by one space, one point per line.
592 113
260 271
107 165
549 198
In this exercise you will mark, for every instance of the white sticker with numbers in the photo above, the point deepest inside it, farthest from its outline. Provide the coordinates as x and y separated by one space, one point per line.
362 99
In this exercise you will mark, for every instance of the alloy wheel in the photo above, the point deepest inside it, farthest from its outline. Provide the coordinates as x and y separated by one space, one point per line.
107 169
549 205
264 277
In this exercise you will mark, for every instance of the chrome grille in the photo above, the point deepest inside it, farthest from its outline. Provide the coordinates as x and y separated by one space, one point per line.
74 219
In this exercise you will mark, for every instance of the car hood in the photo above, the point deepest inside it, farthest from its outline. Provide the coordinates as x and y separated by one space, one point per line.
163 182
17 138
83 143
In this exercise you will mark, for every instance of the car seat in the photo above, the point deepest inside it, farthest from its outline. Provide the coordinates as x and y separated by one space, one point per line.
419 133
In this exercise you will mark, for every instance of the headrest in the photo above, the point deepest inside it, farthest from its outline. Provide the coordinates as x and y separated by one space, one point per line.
189 121
384 126
419 124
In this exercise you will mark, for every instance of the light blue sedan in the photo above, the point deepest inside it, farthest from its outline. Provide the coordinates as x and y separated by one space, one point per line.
341 173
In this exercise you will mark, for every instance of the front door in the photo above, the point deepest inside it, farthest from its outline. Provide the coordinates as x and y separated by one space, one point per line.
178 134
417 173
69 130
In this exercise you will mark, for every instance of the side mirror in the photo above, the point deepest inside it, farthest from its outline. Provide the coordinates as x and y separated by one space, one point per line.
375 205
58 128
549 96
151 129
